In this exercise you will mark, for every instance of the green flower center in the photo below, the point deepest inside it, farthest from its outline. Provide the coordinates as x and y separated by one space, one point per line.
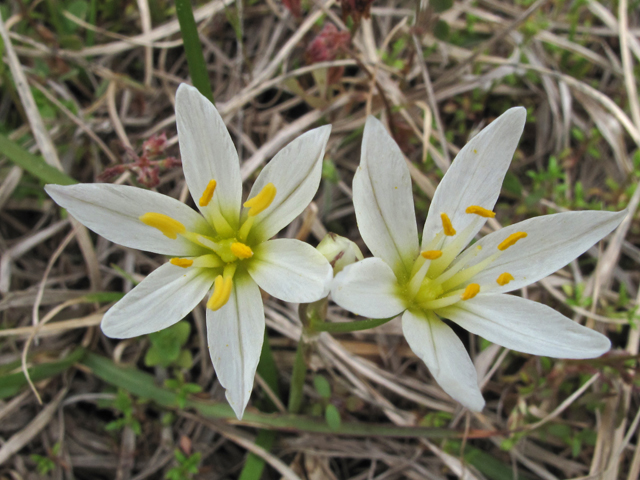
228 247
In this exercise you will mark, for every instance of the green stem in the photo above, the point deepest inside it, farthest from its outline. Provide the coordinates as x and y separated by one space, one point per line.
349 326
298 376
269 372
193 48
93 15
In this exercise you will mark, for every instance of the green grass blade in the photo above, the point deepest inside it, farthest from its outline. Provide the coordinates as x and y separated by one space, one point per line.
11 384
36 166
254 465
193 49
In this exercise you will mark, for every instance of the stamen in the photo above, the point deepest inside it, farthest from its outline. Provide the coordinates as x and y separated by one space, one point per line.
418 277
451 250
511 240
241 250
208 243
262 200
181 262
167 225
207 195
449 231
210 260
504 278
246 228
463 276
483 212
442 302
221 292
471 291
434 244
431 254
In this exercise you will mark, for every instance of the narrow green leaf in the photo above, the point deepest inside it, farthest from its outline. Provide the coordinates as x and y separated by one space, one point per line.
11 385
193 48
143 385
36 166
102 297
254 465
267 369
345 327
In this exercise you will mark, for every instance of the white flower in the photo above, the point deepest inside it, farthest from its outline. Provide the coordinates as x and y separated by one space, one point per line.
226 246
442 279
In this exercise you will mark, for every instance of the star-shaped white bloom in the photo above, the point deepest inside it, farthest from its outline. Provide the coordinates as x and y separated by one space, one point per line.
442 279
225 248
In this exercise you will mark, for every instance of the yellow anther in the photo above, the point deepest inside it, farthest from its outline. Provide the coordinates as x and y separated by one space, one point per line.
471 291
167 225
511 240
261 201
221 292
241 250
483 212
181 262
449 231
207 195
431 254
504 278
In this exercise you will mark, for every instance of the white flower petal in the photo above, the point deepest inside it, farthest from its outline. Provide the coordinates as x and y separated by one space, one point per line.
383 200
290 270
208 153
526 326
235 334
160 300
295 171
552 241
476 175
113 211
368 288
444 354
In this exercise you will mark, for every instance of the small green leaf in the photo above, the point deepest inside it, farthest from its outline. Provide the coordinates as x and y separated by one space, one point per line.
184 360
181 330
441 30
79 9
153 357
322 386
332 416
441 5
191 388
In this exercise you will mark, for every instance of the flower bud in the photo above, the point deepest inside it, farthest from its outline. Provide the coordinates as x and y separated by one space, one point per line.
340 251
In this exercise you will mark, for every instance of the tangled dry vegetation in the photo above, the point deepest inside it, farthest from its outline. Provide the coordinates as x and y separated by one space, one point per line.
90 87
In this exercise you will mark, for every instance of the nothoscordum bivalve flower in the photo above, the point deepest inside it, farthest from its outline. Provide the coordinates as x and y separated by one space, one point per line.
224 251
339 251
443 279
